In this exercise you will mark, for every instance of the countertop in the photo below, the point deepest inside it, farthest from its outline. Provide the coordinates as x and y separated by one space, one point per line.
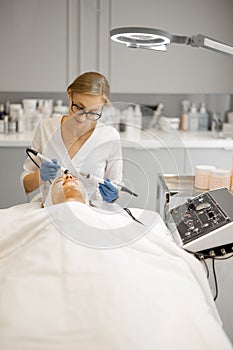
16 140
142 139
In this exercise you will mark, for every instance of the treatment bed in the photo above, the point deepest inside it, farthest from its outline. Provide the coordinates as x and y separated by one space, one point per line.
63 293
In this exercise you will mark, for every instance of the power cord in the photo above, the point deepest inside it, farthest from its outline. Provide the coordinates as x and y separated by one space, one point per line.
29 155
215 279
133 217
202 258
28 151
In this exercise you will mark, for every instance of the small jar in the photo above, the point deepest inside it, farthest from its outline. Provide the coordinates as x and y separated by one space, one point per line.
220 178
202 176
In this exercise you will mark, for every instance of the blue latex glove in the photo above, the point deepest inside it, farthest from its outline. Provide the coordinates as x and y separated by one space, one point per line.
108 191
48 170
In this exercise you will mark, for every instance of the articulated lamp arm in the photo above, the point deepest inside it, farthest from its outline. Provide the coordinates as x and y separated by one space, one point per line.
210 44
157 39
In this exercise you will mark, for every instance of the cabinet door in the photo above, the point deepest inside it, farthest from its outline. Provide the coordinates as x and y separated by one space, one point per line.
220 158
182 69
11 160
140 172
33 45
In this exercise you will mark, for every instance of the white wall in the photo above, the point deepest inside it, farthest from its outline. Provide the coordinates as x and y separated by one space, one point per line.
45 44
33 45
181 69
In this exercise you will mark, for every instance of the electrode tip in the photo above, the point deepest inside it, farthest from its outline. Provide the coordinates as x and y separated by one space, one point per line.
125 189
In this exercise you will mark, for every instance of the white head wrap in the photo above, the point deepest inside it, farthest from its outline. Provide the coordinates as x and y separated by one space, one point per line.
48 201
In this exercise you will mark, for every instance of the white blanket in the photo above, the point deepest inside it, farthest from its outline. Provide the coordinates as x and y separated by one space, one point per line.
56 294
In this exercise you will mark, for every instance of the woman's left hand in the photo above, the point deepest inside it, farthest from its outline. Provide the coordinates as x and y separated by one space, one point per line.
108 191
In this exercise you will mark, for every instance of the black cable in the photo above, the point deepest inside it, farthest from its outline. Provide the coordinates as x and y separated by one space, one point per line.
207 269
202 257
130 214
215 279
28 151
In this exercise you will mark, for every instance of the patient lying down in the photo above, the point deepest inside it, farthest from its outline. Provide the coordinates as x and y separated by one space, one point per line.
56 294
66 188
101 225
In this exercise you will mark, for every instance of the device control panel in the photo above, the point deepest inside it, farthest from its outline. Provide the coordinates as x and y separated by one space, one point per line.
203 214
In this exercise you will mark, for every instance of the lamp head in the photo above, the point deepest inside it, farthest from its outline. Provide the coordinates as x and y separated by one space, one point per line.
145 38
157 39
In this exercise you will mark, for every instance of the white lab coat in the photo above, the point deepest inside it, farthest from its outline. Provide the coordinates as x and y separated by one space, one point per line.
100 155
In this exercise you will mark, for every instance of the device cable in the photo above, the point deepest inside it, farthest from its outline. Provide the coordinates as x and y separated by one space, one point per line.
202 258
133 217
28 151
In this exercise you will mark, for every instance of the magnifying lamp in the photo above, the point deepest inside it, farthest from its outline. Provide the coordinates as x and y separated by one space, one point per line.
156 39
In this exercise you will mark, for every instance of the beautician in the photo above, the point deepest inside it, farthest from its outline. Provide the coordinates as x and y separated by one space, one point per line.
78 141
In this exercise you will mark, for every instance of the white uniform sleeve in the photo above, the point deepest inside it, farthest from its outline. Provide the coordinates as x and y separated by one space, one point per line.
28 166
114 167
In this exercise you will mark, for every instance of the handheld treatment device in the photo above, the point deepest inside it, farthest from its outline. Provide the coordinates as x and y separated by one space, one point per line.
37 154
98 179
87 175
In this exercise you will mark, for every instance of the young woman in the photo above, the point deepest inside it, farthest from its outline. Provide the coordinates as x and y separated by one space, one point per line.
79 142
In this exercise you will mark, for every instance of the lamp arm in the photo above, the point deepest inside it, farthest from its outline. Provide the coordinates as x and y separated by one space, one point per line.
205 42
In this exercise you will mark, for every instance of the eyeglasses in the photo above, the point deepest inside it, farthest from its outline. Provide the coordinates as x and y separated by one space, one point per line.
91 115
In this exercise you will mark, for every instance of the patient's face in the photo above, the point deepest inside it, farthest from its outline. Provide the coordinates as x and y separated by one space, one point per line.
67 188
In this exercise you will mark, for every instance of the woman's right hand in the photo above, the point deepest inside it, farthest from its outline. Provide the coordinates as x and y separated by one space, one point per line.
48 170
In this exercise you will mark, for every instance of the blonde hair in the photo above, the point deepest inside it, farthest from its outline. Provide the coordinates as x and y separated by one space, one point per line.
92 83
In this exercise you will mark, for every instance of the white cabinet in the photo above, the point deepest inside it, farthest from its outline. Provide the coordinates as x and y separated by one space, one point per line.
33 41
141 167
11 191
220 158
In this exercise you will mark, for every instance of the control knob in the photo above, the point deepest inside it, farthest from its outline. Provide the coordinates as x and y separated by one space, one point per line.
191 205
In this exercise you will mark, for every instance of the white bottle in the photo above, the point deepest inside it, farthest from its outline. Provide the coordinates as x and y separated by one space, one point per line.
203 118
138 117
2 115
131 129
156 116
185 115
193 118
20 121
59 109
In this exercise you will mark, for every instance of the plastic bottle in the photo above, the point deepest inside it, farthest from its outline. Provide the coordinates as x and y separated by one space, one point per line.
203 118
122 125
185 115
59 109
122 121
2 115
138 119
129 116
156 116
193 118
29 106
20 122
6 128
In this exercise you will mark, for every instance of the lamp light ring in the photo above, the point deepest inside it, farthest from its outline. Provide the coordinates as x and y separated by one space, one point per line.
146 36
157 39
141 36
